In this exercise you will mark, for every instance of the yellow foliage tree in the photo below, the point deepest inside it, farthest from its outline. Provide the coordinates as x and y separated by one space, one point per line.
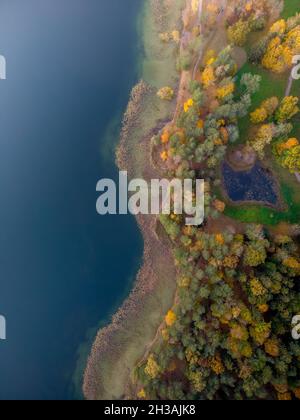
217 365
274 57
292 263
281 49
188 104
165 137
288 145
266 110
220 239
287 109
257 288
170 318
272 347
165 37
281 387
165 334
208 77
195 6
258 116
210 57
278 27
237 33
197 381
200 124
176 36
152 368
297 393
166 93
231 261
291 160
261 332
270 105
285 397
164 156
141 394
263 137
224 91
264 308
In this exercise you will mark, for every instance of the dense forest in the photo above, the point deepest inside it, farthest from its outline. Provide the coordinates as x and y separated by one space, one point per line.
228 334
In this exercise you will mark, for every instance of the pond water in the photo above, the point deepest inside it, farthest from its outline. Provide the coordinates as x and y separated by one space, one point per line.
255 185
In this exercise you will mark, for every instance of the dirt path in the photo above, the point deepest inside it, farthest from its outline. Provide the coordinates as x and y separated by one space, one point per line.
183 86
200 12
223 4
186 76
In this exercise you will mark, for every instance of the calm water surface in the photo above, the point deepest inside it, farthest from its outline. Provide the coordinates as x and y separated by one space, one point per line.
70 67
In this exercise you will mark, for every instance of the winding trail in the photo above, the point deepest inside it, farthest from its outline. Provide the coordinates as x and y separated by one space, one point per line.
185 35
203 46
200 12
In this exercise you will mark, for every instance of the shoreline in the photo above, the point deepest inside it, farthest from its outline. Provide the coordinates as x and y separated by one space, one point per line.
119 346
136 157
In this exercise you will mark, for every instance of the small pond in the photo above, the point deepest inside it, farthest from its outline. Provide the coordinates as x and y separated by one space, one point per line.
256 185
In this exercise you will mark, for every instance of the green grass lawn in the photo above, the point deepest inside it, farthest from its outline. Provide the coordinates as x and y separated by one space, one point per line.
266 215
291 7
271 85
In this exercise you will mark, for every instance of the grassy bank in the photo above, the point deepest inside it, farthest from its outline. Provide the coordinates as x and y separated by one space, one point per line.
120 345
271 85
291 7
158 69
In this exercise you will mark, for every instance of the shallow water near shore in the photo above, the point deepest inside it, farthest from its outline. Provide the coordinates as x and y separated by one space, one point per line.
70 68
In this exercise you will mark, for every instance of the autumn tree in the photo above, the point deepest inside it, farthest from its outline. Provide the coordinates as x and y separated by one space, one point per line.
264 137
238 32
291 159
270 105
274 56
251 82
176 36
170 318
279 27
266 110
258 116
166 93
283 44
208 77
152 368
226 90
287 109
165 37
284 146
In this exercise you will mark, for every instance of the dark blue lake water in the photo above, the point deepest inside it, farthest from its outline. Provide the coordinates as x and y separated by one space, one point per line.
70 67
256 184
